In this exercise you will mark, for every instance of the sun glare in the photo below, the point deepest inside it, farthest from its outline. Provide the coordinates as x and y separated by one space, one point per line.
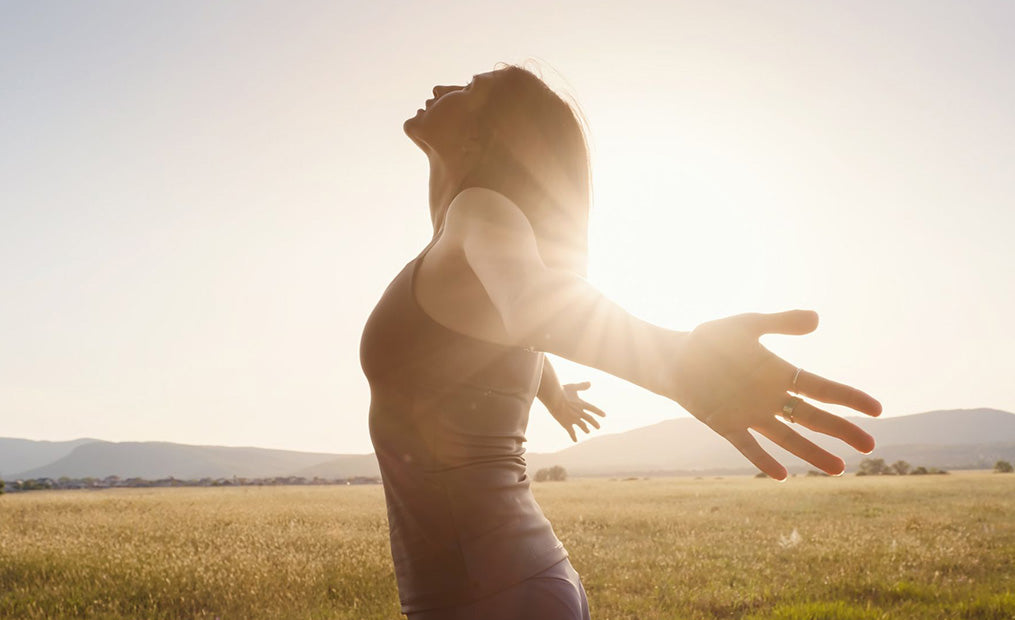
674 241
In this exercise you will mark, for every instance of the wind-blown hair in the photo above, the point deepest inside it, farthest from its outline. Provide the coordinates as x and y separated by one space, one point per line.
534 151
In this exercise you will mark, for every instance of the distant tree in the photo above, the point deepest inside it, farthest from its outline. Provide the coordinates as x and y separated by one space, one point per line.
901 467
551 474
761 474
1001 467
811 473
1 486
872 467
919 471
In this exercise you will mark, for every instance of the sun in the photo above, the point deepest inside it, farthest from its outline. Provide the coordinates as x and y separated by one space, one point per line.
675 239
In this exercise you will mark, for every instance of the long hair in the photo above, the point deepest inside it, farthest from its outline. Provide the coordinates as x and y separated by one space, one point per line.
534 151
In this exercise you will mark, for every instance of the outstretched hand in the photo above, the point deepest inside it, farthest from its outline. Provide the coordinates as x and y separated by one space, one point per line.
732 383
570 410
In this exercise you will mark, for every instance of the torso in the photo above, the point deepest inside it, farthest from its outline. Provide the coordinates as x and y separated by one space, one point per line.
448 415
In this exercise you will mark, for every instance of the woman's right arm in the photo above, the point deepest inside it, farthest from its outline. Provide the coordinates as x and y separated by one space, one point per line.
718 372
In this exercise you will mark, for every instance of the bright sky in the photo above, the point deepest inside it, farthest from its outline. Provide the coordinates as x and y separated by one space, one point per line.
200 202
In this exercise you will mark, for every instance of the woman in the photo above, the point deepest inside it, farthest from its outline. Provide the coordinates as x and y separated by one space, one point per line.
454 355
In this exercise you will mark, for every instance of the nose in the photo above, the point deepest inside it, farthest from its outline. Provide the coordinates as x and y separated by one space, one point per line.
441 90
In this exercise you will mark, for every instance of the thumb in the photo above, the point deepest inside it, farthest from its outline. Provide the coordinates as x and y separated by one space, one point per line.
791 322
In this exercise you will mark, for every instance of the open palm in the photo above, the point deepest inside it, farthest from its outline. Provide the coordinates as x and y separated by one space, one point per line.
570 410
732 383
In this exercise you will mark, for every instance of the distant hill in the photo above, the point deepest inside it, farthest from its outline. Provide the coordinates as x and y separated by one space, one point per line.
958 439
153 460
942 428
17 455
344 466
954 439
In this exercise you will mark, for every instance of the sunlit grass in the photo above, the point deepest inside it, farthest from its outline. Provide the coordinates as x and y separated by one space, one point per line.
928 547
908 548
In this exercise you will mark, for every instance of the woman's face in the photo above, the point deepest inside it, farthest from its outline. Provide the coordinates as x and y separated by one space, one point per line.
447 125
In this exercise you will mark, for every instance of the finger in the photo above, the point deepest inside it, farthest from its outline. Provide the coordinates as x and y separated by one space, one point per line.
590 419
749 447
791 322
570 431
794 442
811 417
828 391
584 385
596 410
582 425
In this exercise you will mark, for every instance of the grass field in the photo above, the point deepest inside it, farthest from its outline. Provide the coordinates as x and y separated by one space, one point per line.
864 548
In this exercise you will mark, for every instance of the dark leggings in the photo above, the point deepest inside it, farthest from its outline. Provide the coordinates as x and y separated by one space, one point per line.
554 594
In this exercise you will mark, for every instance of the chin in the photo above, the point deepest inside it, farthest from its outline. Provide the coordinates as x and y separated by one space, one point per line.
411 125
411 129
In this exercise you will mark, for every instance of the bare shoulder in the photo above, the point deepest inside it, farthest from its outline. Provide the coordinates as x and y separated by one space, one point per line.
448 287
481 264
478 210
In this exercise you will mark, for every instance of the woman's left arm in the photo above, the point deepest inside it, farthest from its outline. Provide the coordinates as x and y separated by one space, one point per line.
564 404
719 371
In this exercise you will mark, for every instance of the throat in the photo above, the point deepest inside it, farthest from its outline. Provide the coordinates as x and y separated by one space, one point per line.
445 183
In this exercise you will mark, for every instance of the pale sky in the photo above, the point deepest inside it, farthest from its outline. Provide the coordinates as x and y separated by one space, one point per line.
200 203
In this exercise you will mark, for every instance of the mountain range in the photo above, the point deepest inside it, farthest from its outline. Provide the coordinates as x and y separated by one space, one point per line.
952 439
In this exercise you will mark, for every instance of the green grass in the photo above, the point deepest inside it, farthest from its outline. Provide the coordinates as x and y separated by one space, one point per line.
865 549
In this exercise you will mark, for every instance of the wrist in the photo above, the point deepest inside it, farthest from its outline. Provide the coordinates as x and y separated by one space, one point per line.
664 377
549 392
554 398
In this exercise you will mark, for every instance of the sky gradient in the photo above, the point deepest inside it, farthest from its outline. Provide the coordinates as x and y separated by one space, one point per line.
200 203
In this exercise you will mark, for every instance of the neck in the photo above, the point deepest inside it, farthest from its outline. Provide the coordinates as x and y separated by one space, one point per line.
445 182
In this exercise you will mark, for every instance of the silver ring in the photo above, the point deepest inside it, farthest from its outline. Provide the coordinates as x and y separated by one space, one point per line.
787 409
796 376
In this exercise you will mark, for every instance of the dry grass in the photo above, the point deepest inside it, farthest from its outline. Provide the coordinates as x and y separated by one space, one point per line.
864 548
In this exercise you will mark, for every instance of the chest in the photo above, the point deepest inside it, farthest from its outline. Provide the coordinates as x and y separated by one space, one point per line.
403 348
